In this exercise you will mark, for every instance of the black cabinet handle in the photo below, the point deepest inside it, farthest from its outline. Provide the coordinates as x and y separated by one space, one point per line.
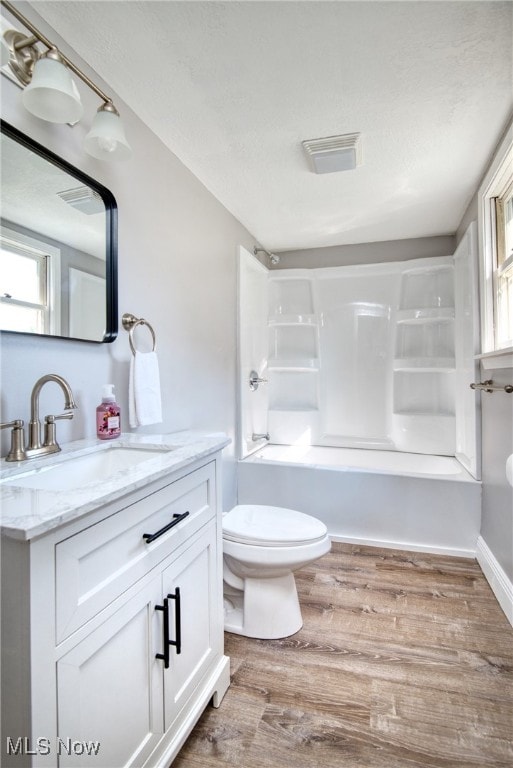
177 643
165 624
149 537
178 621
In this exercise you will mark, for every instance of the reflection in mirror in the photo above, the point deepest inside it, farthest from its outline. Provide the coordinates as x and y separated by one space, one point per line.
58 238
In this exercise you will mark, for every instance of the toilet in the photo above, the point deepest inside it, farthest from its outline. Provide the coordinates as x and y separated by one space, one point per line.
262 546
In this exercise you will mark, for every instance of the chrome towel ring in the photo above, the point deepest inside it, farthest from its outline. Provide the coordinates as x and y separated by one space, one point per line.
130 323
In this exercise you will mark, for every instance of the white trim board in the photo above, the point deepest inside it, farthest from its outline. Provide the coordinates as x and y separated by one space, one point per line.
407 546
495 575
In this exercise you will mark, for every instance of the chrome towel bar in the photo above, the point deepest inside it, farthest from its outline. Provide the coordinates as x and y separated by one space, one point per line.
489 386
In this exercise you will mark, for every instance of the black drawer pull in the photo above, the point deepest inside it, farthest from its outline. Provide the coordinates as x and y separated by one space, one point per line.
165 626
178 621
149 537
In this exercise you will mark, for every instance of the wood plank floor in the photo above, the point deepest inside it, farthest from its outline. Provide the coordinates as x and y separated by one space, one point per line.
404 660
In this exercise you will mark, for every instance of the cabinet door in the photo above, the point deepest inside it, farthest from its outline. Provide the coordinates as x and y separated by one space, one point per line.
110 688
194 620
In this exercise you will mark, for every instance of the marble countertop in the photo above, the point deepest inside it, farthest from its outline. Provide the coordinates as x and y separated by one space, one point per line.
28 512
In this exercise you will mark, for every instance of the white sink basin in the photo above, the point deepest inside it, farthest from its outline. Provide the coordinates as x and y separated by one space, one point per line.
69 473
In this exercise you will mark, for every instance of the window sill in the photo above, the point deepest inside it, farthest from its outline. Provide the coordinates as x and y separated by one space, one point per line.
500 358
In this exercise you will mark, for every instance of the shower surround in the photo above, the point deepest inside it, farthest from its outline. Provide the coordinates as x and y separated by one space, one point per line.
376 357
373 356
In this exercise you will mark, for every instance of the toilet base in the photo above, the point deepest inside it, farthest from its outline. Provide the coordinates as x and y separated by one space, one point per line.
267 609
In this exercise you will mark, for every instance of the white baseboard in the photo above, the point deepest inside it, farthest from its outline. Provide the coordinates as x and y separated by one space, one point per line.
408 546
495 575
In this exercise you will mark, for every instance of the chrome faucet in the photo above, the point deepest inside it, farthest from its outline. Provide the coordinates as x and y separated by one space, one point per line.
49 445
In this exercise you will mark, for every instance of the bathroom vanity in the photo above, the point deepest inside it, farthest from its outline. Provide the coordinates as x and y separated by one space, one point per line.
112 620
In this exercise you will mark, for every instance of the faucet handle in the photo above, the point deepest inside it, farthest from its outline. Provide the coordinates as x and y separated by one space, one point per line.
16 424
50 439
17 452
50 418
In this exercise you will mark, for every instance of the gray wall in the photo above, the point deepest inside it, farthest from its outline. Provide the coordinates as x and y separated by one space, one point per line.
368 253
178 249
497 431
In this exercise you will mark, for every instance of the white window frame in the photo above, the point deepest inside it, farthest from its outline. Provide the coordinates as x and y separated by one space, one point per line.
497 179
53 277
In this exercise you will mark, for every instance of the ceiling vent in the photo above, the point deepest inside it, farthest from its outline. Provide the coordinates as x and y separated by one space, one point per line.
83 199
334 153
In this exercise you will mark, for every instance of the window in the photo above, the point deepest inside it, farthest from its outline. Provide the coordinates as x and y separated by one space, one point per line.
496 229
503 268
23 290
28 268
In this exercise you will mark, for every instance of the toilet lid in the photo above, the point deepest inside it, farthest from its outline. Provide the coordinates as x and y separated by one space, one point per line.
271 526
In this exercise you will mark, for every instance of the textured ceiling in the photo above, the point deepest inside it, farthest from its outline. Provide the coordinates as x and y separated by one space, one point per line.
233 88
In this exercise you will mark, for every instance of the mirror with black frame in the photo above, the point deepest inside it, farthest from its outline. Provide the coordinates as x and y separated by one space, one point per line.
58 237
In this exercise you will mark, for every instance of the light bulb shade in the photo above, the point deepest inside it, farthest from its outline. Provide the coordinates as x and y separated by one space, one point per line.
52 94
106 140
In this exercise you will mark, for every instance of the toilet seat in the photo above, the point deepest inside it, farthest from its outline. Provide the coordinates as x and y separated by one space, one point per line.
267 526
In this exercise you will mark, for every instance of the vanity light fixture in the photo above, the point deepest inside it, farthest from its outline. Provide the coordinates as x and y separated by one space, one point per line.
106 140
5 52
51 94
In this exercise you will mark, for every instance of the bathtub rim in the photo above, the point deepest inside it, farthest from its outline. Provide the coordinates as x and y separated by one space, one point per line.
463 475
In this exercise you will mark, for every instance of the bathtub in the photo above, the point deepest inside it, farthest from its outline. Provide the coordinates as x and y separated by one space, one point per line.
380 498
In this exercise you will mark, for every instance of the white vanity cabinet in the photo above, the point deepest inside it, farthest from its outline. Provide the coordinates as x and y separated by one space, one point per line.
114 644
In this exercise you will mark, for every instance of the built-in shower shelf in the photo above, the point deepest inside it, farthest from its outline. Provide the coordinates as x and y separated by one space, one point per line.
424 364
425 315
424 381
293 320
299 364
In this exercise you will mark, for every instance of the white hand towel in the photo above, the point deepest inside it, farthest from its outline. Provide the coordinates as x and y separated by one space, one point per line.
144 401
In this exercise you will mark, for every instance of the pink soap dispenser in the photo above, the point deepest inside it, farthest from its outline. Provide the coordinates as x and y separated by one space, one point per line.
108 422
